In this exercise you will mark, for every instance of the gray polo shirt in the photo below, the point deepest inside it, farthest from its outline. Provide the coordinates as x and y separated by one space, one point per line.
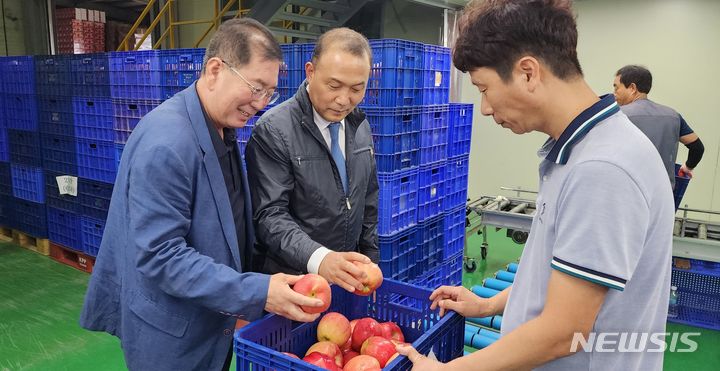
604 214
662 125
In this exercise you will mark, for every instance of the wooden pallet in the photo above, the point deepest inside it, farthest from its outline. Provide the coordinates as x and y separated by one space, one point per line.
72 258
39 245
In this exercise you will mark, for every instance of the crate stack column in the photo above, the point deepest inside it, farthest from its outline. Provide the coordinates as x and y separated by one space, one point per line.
5 179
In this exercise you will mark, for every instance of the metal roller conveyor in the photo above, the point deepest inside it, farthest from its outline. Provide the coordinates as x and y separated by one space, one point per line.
503 212
696 239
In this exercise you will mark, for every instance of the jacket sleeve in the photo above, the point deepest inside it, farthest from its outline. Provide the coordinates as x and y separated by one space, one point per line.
271 179
368 235
160 213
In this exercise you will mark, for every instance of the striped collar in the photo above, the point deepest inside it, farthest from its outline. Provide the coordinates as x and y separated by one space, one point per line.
580 126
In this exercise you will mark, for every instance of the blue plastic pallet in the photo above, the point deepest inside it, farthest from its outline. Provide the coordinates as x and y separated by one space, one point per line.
399 255
454 232
55 199
127 114
397 201
59 153
18 75
136 75
55 114
53 74
4 145
96 160
93 119
28 182
21 112
431 191
90 75
29 217
258 346
64 228
456 182
25 147
5 179
460 131
94 198
92 231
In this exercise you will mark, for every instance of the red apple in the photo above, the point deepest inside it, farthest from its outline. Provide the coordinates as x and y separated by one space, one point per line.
321 360
352 325
314 286
374 278
392 331
364 328
329 349
348 344
348 355
334 327
379 348
362 363
290 355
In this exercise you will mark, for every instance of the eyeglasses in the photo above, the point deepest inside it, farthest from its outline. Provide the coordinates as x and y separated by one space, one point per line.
269 96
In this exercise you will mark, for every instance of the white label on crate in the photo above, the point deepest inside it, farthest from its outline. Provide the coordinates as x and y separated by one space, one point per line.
67 185
433 192
438 78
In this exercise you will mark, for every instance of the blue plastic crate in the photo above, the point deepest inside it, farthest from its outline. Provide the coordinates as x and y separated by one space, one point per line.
397 152
64 228
258 345
53 74
3 124
460 129
449 273
55 114
433 134
18 75
91 231
391 121
5 179
127 114
28 182
25 147
431 191
180 68
5 210
397 201
399 254
698 290
394 53
29 217
96 160
394 78
436 66
681 184
94 198
53 197
434 117
136 75
456 181
454 235
4 145
21 112
296 55
59 153
397 97
430 242
93 119
90 75
431 96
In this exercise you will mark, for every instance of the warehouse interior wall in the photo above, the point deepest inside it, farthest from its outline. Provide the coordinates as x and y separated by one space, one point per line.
676 40
407 20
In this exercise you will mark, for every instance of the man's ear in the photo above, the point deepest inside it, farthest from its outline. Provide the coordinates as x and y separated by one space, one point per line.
633 88
528 70
213 67
309 71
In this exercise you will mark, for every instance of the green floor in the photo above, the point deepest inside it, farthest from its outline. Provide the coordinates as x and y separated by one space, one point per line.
41 301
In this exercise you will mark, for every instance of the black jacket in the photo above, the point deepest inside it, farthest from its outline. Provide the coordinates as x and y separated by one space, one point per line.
297 196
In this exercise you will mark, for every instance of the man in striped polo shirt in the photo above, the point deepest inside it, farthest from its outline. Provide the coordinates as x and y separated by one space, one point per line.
597 261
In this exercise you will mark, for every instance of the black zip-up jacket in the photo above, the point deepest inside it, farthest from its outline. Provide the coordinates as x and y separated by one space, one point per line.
298 199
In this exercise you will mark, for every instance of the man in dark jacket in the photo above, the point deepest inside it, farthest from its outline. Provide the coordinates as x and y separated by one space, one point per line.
312 172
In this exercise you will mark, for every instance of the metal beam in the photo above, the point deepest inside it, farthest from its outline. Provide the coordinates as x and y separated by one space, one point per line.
263 11
304 19
279 31
315 4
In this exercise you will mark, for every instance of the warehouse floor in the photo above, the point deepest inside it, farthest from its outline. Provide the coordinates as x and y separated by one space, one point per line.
41 302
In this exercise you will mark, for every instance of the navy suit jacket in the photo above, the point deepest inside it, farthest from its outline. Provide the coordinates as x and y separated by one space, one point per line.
167 278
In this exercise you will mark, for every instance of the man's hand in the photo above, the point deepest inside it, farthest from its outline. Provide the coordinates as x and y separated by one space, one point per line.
460 300
420 362
685 171
282 300
338 268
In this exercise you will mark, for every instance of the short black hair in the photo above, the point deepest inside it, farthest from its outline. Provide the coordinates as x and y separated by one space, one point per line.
347 40
638 75
238 39
495 33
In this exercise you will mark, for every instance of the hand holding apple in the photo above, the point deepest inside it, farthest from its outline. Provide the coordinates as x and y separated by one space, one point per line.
314 286
282 300
338 268
373 278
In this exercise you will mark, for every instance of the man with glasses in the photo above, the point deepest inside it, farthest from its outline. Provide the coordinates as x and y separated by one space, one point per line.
312 171
171 277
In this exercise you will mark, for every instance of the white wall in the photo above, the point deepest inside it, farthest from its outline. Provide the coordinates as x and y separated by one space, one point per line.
678 40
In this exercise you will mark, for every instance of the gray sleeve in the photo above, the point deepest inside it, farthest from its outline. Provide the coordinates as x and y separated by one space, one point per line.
601 224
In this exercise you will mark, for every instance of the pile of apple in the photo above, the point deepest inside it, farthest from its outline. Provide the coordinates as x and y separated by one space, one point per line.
359 345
